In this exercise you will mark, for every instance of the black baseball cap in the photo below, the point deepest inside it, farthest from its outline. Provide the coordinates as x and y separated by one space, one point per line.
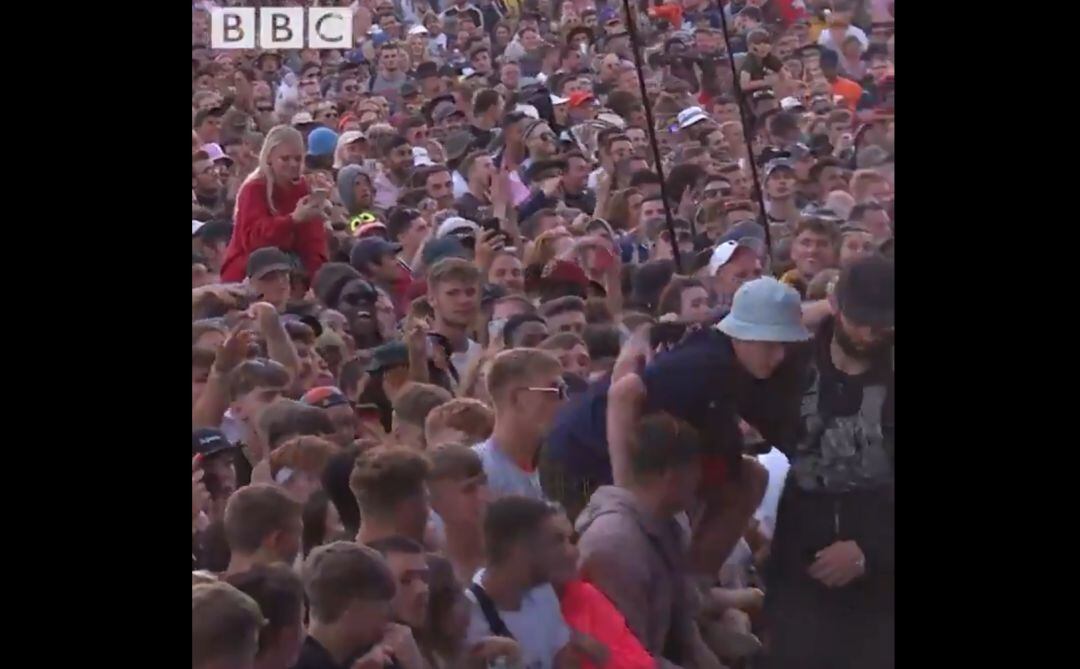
369 249
208 441
541 168
426 70
267 259
391 354
866 291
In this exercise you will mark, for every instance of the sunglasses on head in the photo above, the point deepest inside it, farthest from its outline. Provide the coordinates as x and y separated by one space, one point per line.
560 390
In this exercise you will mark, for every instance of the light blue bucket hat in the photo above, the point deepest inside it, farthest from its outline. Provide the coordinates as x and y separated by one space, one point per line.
765 310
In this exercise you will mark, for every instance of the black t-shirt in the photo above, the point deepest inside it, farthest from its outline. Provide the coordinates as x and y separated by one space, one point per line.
699 381
846 429
468 206
314 656
585 201
483 137
756 67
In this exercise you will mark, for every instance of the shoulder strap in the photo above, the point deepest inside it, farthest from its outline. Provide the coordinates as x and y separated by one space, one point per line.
491 614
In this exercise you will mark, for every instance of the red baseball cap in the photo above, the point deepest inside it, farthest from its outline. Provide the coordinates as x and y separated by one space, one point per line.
579 98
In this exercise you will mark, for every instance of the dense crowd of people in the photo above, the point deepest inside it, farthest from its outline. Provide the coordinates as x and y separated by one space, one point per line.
542 334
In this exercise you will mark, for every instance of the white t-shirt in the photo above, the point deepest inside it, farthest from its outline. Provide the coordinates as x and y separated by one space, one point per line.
462 359
538 626
826 40
460 185
778 466
504 477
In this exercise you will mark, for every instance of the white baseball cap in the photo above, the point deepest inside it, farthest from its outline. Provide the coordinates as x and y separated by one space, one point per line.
691 116
418 30
195 225
556 100
455 224
723 254
790 102
528 110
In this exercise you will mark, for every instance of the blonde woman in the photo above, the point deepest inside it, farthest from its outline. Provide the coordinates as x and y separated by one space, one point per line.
275 208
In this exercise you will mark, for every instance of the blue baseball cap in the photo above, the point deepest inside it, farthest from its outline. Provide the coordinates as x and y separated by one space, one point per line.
765 310
322 142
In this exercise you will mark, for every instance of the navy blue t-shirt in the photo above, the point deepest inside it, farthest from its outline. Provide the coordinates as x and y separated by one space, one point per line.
698 381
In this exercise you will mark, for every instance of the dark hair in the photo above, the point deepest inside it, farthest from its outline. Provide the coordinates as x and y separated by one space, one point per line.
598 311
413 121
485 100
396 544
509 520
515 322
385 476
681 177
782 122
214 232
444 593
400 221
253 513
671 297
280 595
818 226
751 13
337 574
289 418
335 481
642 177
256 373
314 518
201 116
455 462
860 210
758 36
392 142
662 442
650 280
623 103
602 340
821 165
352 371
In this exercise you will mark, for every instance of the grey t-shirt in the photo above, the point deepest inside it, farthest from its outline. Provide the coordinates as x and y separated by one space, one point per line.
504 477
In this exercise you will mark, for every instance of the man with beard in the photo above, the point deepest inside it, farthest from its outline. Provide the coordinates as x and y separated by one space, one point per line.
439 186
397 165
830 576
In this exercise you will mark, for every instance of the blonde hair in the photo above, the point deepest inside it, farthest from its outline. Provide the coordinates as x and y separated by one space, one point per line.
278 135
517 366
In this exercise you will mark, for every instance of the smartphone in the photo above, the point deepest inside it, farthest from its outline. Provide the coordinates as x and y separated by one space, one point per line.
666 334
320 195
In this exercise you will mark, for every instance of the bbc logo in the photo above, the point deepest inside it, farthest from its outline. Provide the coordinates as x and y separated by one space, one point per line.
281 28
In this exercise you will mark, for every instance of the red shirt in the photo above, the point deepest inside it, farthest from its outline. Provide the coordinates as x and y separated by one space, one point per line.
587 610
849 90
255 227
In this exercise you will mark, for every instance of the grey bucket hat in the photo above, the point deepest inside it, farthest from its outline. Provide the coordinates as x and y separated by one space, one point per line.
765 310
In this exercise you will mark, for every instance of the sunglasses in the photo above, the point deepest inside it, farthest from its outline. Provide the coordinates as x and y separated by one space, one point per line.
560 391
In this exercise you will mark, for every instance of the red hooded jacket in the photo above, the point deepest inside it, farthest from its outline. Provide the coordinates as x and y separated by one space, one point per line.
587 610
255 227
